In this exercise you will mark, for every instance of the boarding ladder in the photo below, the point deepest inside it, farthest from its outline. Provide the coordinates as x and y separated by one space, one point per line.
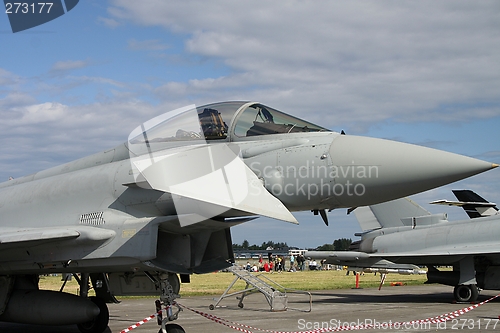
275 294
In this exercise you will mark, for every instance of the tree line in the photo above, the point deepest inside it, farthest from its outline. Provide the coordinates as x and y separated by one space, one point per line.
341 244
264 246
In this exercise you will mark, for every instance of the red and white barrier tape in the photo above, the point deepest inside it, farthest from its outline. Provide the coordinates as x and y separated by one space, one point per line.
250 329
139 323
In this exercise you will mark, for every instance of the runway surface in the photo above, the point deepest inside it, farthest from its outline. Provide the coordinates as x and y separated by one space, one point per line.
332 308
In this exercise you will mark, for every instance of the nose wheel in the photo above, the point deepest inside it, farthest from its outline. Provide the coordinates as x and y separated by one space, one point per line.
172 328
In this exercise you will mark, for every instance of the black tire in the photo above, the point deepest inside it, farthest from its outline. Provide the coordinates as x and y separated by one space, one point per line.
240 305
100 323
464 293
211 307
173 328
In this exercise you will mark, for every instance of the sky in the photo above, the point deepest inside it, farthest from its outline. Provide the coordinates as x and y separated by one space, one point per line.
422 72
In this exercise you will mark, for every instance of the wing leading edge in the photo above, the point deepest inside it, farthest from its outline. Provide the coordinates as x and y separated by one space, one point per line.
22 237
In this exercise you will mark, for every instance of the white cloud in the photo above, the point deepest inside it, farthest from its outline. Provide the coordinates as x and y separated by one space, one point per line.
150 44
108 22
389 58
15 98
7 78
63 67
68 65
46 112
38 136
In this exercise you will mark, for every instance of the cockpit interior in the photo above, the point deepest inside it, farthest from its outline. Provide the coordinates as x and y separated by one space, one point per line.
229 121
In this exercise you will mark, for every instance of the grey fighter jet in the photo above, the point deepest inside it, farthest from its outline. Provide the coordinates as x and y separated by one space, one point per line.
134 219
400 234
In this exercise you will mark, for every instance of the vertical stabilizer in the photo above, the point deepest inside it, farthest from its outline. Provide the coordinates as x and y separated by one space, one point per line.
475 205
367 221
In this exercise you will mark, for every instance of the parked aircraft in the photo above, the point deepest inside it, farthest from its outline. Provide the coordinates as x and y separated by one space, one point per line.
400 234
133 219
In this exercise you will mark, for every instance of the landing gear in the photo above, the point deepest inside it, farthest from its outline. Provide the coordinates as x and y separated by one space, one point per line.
169 286
466 289
465 293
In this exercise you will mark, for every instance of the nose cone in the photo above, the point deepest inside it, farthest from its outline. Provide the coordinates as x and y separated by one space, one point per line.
377 170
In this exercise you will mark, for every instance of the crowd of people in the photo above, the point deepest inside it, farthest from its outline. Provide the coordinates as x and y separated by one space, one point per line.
278 263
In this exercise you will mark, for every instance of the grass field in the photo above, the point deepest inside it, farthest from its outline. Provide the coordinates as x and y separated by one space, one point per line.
216 283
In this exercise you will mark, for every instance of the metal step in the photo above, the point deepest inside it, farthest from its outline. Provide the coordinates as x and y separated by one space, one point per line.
255 281
277 299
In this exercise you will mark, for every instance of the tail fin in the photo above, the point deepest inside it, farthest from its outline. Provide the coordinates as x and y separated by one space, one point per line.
474 205
395 213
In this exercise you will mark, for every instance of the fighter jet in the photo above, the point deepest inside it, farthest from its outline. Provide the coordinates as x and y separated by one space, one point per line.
134 219
400 234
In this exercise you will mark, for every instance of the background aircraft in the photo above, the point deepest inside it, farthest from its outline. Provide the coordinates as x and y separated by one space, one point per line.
401 234
134 218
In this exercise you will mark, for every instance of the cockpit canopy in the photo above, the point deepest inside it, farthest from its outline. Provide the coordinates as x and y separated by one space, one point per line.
254 119
249 119
228 121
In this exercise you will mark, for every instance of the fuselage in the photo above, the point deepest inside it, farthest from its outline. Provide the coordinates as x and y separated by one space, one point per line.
442 243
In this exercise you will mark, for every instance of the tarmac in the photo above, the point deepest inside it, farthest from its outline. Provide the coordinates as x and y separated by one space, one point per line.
332 310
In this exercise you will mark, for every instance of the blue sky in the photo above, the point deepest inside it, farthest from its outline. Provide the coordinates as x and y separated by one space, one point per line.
422 72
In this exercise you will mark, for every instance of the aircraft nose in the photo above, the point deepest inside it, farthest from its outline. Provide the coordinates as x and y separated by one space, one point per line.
378 170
